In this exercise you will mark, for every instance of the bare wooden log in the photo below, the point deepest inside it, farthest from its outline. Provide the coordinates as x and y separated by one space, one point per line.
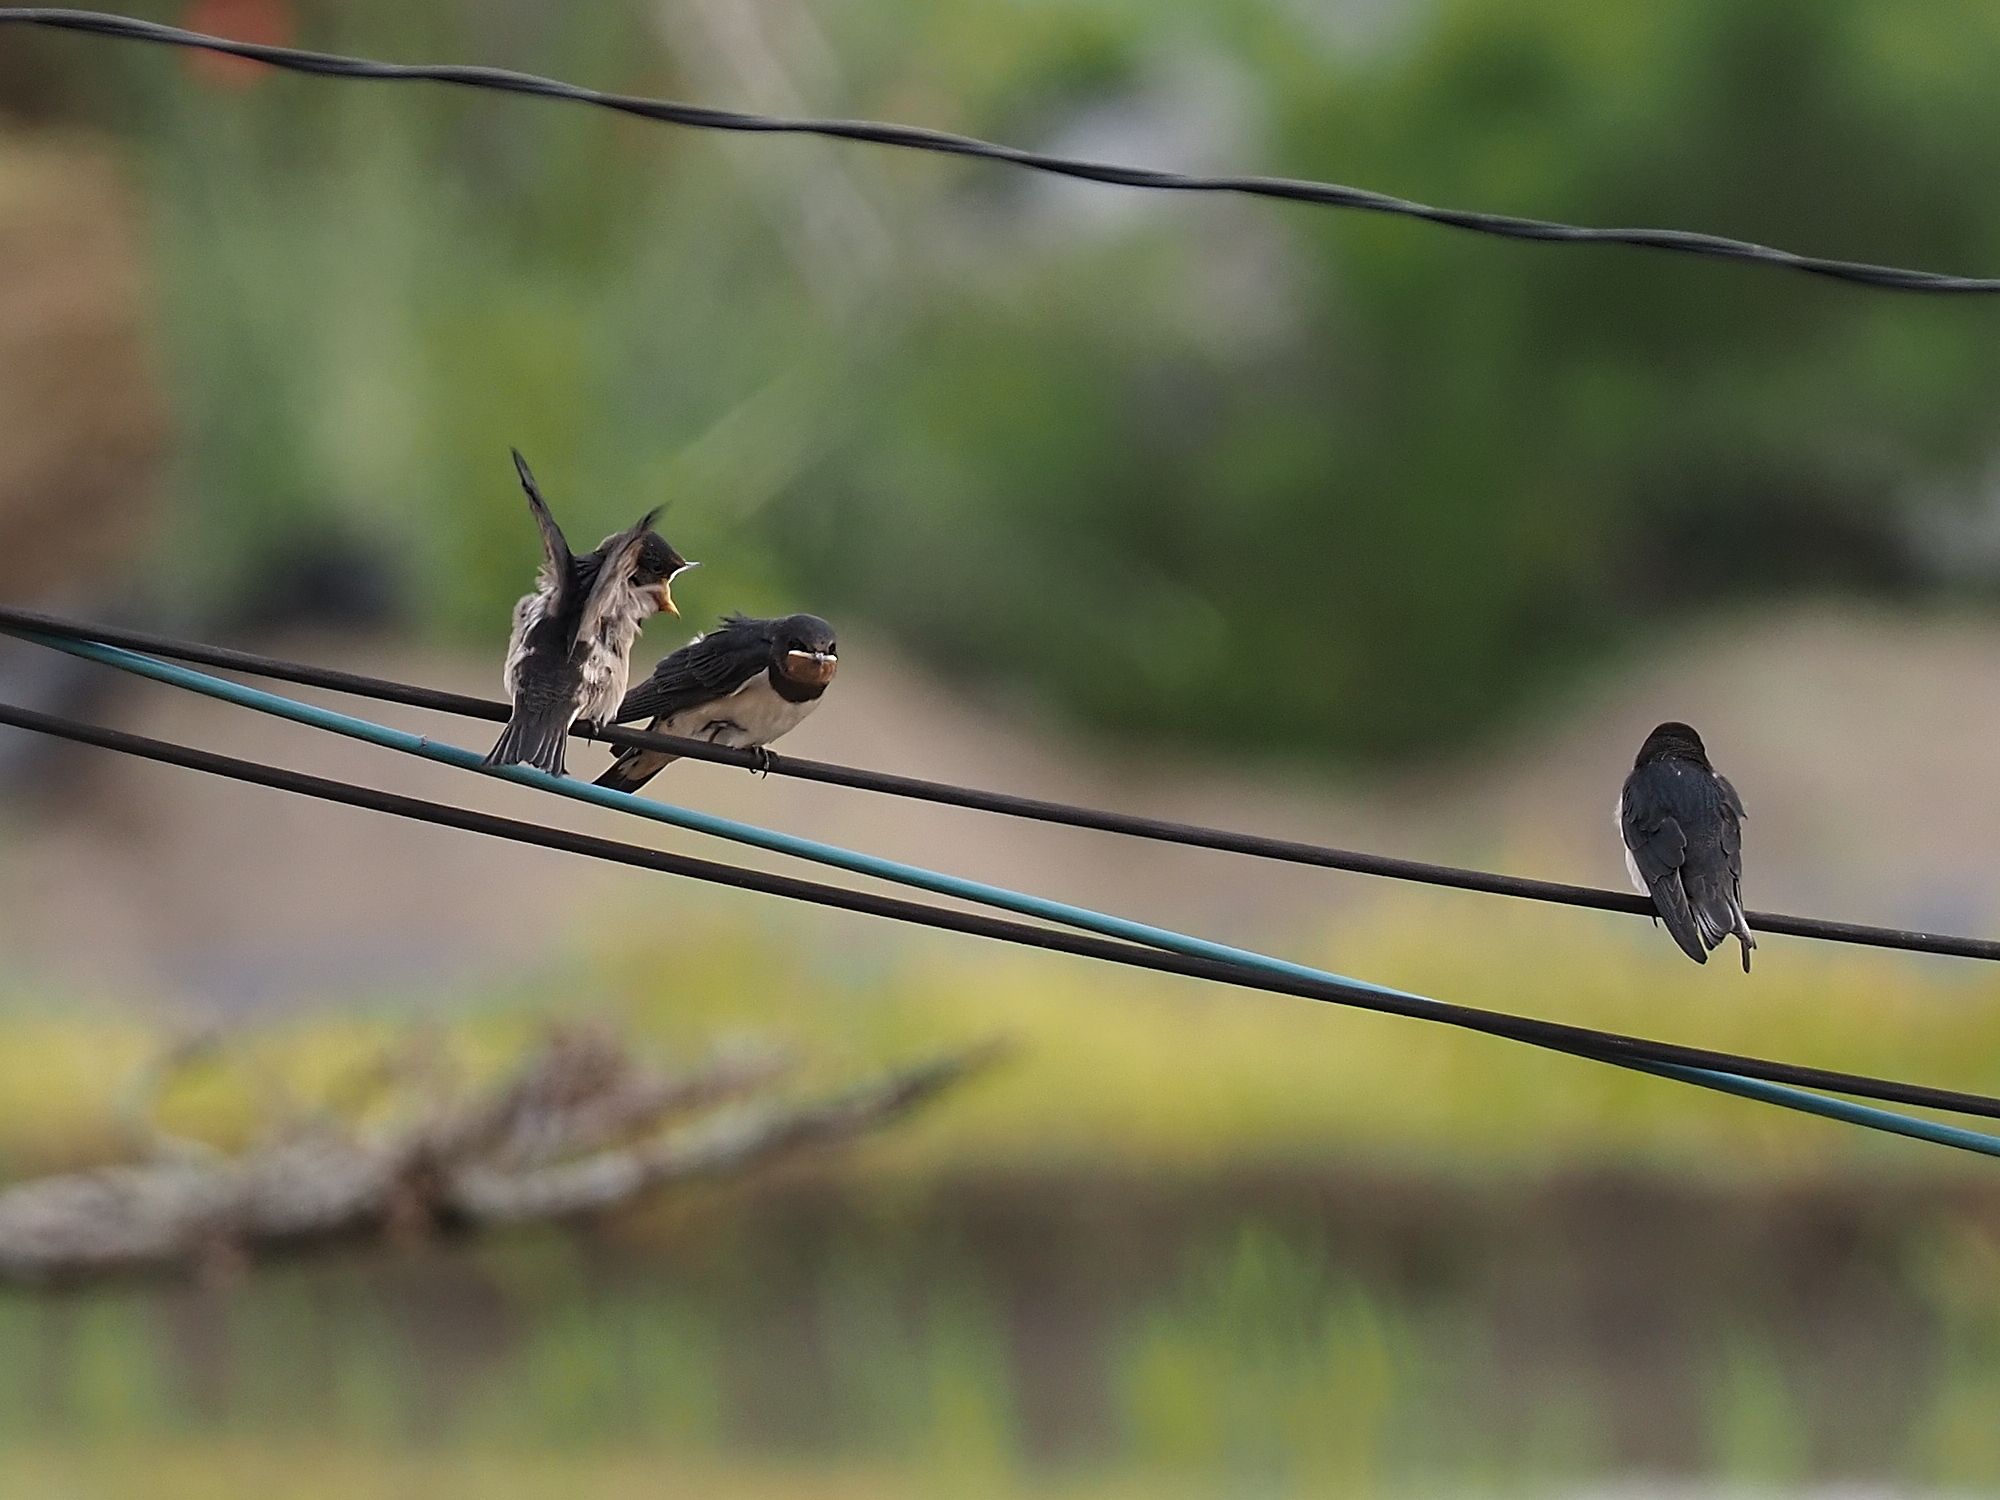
580 1129
584 1091
730 1143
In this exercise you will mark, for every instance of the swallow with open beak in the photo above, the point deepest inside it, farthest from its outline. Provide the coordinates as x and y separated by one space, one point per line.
570 654
743 684
1683 831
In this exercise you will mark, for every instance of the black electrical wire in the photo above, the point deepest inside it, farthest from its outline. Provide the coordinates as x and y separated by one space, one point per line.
1005 804
1578 1041
916 138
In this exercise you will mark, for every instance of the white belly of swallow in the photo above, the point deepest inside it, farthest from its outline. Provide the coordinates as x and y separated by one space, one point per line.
753 715
1631 864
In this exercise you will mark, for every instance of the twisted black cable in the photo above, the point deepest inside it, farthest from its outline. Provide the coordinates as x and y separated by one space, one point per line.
1577 1041
916 138
1005 804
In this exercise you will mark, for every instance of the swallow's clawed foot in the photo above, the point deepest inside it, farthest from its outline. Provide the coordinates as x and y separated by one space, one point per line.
762 761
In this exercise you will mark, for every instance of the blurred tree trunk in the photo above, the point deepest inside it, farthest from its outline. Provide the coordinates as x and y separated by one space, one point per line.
82 421
81 415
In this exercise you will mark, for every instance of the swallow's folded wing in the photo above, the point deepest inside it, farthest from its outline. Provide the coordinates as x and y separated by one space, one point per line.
1655 834
708 667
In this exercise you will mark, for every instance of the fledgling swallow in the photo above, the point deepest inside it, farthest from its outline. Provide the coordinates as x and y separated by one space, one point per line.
743 684
1683 831
570 654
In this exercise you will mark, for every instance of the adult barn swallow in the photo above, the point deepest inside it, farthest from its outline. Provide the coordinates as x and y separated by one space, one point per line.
744 683
570 654
1683 831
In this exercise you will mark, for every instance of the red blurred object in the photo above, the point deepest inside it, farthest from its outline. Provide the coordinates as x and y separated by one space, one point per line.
268 22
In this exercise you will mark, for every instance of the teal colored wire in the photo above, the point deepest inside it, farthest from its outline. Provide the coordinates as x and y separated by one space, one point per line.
1844 1110
941 884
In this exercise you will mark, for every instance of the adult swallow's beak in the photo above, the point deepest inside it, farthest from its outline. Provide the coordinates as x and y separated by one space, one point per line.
815 667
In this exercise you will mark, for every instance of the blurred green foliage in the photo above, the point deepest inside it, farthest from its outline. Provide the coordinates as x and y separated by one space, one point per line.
1191 470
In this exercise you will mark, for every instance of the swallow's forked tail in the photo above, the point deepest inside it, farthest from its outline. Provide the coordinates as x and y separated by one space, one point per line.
1718 915
634 769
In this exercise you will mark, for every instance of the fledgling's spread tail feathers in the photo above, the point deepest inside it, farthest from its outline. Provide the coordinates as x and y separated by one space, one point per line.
536 740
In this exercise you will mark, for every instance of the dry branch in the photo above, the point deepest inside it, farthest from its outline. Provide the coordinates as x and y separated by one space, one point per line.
581 1127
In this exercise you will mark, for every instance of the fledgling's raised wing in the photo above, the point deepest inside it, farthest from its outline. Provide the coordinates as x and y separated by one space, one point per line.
617 559
558 573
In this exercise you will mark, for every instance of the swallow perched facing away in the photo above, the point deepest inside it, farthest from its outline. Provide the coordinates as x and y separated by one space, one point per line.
743 684
570 654
1683 831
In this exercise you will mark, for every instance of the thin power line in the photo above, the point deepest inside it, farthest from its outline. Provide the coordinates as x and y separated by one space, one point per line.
1757 1078
1100 924
695 820
1035 809
916 138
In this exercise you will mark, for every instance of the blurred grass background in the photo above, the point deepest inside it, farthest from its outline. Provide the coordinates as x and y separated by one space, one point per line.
1145 1071
1191 1243
1097 460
